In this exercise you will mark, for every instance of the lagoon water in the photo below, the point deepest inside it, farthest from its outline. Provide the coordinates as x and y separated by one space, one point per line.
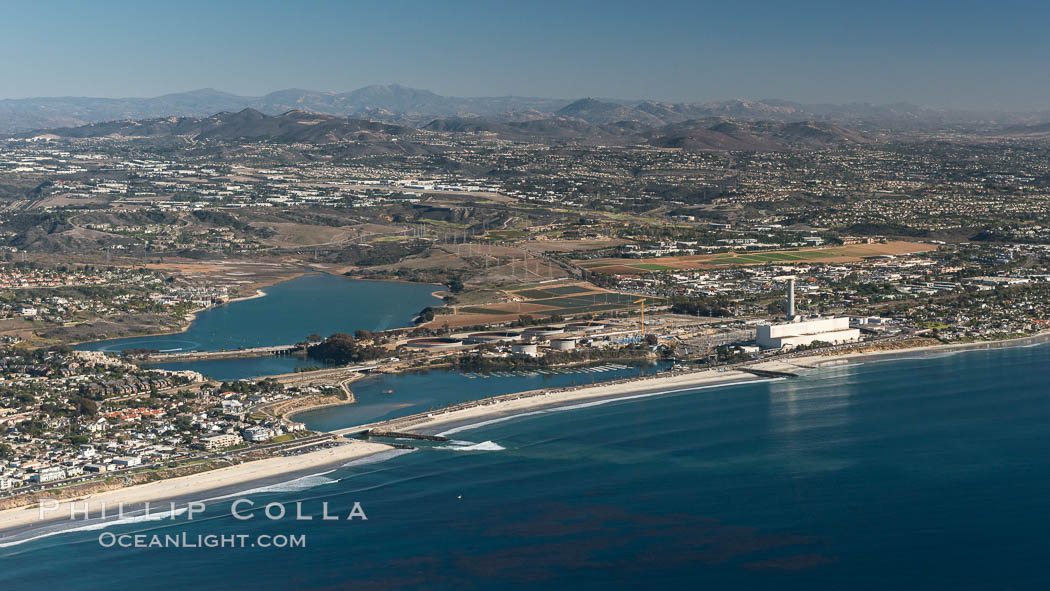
931 473
312 304
291 310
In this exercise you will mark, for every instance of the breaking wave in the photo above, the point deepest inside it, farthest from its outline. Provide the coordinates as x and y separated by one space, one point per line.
471 446
102 525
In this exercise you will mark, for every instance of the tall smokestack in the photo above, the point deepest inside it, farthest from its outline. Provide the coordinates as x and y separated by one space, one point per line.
791 298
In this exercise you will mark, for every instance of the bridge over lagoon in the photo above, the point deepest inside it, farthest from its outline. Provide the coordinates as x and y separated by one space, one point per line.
272 350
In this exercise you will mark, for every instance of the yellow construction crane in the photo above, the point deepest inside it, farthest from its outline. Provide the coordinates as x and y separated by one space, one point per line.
642 302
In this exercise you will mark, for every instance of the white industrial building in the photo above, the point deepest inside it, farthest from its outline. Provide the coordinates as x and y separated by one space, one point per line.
805 332
797 331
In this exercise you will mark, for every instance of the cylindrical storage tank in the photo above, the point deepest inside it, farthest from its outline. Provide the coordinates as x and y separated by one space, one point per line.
529 349
563 344
543 332
493 337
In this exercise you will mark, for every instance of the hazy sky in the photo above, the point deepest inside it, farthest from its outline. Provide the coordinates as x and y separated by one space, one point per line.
959 54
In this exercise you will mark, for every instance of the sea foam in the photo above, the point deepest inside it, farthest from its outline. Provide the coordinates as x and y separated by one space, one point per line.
471 446
102 525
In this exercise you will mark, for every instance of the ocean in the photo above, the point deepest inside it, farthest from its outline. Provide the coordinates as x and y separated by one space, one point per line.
925 473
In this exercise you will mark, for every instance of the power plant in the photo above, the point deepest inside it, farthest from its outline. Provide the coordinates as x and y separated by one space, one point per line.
797 331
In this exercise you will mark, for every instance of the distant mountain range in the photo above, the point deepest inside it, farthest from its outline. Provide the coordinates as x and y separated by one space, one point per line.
391 103
413 107
1040 130
373 137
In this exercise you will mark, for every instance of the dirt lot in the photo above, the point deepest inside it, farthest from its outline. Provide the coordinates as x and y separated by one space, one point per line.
117 326
568 299
16 327
570 245
241 277
288 234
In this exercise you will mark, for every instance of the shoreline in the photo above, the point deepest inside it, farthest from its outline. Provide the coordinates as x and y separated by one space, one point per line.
515 403
290 415
821 361
508 406
189 318
259 293
473 415
521 404
194 487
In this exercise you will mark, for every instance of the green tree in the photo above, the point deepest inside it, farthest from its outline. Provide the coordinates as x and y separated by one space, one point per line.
86 407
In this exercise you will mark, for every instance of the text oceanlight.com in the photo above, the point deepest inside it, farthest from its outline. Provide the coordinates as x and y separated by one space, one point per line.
184 540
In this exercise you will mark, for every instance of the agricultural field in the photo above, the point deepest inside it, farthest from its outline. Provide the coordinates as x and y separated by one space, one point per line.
829 254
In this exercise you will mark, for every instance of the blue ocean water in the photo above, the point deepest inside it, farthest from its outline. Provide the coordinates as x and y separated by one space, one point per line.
291 310
930 473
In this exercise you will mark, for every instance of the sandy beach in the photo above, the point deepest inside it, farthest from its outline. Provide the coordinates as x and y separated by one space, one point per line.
258 294
195 486
818 361
521 402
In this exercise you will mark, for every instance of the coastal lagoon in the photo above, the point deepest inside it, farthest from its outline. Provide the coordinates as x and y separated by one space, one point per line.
312 304
926 473
241 368
290 311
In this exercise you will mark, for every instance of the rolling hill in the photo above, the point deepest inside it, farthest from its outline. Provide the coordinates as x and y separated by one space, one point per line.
375 137
714 133
246 124
403 105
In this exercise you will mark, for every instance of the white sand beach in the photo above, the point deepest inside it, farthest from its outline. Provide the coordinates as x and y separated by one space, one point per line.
840 358
524 401
193 485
